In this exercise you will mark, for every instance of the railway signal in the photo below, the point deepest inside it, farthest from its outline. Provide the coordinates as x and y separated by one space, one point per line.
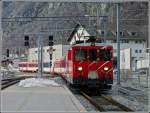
26 40
7 52
50 63
50 42
50 56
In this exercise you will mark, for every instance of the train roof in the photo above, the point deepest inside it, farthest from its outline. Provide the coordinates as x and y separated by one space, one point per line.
27 62
96 44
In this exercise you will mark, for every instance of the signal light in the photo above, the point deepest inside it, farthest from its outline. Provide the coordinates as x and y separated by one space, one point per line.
50 63
26 39
50 43
50 56
7 52
50 38
26 43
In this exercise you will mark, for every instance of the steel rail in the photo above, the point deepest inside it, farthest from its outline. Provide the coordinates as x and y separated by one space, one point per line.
100 108
109 100
9 82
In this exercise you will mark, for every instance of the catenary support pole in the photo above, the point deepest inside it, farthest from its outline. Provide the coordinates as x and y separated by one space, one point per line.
118 43
1 34
149 52
38 41
39 56
41 73
105 28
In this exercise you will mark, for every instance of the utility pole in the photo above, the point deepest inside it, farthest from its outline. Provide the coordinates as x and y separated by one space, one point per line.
105 20
118 43
1 34
149 49
40 56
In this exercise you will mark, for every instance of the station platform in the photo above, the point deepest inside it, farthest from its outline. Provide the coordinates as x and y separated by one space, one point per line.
35 99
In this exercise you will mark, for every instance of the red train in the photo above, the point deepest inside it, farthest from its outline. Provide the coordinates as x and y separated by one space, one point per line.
87 64
28 66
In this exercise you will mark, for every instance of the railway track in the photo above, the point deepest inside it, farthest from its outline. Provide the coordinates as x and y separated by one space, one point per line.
11 81
105 103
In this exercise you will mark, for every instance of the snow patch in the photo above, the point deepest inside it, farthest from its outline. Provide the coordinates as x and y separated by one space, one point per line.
40 82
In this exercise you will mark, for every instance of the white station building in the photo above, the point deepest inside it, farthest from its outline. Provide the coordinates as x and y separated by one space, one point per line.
59 51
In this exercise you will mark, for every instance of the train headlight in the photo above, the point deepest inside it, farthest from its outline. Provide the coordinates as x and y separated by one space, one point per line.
106 68
79 68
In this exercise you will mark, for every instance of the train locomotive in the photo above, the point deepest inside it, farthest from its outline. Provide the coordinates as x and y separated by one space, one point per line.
86 64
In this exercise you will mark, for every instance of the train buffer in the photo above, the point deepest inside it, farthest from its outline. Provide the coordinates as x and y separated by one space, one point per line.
46 99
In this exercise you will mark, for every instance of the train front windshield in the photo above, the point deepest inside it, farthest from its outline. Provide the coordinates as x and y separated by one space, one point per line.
92 55
80 54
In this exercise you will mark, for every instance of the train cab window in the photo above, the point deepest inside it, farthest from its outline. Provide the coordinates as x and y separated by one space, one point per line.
30 65
20 65
93 54
105 55
80 54
23 65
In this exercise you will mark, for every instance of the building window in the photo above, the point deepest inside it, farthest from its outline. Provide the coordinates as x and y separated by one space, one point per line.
147 50
102 32
124 41
140 51
114 41
133 33
121 33
132 3
140 41
136 41
136 51
127 41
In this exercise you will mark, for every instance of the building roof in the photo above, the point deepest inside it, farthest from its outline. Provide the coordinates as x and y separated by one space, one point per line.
128 33
73 32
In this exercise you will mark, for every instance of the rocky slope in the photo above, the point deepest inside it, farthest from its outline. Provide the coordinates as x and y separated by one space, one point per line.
134 15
